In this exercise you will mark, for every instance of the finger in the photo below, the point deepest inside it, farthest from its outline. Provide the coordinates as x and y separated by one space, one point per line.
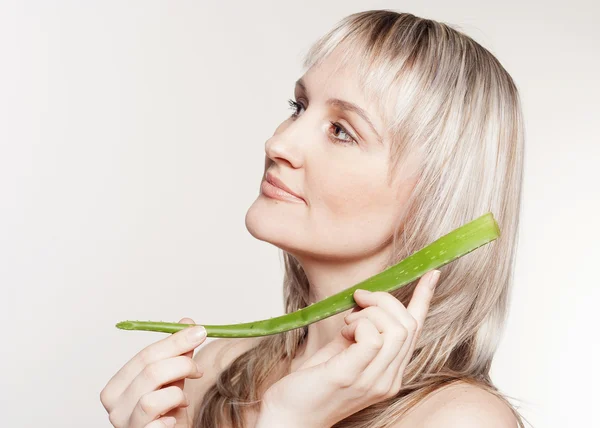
181 413
392 306
173 345
381 319
387 302
396 344
394 358
190 354
182 417
419 302
155 404
325 353
423 293
345 367
418 308
156 376
165 422
376 315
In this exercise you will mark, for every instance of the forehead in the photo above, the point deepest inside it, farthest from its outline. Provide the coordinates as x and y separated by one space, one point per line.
334 78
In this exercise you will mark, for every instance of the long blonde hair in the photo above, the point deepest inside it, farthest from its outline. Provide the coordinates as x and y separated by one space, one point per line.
446 97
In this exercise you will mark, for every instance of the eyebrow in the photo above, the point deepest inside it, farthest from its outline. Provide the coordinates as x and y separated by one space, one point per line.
347 106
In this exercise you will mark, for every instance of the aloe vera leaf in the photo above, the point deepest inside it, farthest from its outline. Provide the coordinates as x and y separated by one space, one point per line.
449 247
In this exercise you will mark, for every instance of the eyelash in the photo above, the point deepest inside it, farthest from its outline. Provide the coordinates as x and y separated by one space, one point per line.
294 106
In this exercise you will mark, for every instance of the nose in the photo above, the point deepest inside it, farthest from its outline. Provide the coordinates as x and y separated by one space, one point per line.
283 146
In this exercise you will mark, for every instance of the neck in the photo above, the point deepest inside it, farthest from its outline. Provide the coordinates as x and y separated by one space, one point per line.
327 278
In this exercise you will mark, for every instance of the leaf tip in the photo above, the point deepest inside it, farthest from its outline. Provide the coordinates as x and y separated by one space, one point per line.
125 325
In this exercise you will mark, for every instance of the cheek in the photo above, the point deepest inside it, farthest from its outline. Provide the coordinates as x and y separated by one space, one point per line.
353 215
354 195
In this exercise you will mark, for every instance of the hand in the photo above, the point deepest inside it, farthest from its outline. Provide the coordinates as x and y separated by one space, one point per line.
147 392
361 366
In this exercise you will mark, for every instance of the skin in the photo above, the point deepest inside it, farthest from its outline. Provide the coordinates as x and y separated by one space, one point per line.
363 364
147 392
342 234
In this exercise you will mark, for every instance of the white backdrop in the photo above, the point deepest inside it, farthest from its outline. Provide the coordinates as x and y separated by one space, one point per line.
132 143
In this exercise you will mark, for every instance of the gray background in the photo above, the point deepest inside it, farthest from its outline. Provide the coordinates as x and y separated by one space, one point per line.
132 143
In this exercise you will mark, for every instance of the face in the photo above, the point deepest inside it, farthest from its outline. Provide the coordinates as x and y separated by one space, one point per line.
331 157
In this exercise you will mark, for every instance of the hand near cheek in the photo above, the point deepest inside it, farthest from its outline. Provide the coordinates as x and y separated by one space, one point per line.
363 365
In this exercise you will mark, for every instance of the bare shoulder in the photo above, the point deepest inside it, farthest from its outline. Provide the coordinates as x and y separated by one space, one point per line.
213 357
460 404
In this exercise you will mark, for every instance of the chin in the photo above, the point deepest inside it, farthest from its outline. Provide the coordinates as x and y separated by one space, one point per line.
262 223
267 222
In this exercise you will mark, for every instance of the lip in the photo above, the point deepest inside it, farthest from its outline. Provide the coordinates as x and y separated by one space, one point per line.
281 192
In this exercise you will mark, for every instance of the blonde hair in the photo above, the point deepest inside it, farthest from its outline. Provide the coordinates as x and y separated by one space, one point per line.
446 97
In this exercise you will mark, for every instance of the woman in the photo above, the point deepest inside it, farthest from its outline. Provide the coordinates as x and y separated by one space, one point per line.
403 129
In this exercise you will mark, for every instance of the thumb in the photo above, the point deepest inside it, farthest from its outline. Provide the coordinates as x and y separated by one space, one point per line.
183 419
190 353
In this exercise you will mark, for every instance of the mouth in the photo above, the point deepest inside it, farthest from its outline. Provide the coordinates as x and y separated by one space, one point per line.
275 188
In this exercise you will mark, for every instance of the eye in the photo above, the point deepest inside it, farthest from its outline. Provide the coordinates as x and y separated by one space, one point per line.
349 140
295 106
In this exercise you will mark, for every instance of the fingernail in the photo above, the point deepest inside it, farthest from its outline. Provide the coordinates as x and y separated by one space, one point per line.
196 334
170 421
362 291
433 280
